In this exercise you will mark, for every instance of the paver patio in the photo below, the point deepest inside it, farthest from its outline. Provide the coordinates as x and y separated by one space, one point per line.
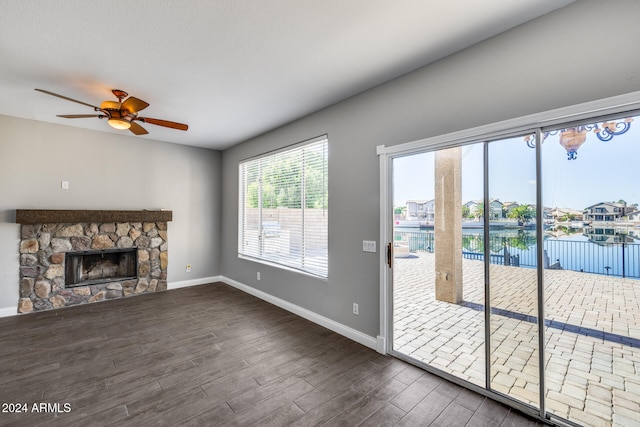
592 335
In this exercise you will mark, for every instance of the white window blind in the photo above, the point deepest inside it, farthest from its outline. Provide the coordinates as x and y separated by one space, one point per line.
282 215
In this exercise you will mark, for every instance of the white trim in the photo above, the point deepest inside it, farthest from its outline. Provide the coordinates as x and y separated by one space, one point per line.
9 311
385 238
339 328
612 105
194 282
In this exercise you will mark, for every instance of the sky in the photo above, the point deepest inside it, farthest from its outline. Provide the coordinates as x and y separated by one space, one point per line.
603 171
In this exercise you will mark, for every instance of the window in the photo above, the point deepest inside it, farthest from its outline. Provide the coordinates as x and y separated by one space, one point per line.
282 215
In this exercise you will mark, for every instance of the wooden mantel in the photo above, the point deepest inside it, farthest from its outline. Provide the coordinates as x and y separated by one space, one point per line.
46 216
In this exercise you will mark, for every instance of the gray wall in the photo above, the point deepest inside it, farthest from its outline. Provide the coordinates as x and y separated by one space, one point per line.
108 171
577 54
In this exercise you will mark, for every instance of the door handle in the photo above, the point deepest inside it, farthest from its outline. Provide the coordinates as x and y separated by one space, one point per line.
390 255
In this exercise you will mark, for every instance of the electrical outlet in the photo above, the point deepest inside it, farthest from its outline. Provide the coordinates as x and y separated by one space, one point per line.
64 185
188 267
368 246
355 308
258 275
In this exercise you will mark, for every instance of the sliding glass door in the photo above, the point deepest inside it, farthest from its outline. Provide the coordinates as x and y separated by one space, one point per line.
513 280
516 267
591 275
438 319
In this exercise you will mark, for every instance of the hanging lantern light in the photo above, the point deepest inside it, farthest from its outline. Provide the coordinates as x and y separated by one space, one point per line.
571 139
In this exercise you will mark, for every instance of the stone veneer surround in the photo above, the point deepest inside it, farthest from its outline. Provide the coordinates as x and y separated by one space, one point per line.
42 256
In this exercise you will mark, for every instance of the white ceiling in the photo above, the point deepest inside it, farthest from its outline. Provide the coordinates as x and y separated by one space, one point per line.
231 69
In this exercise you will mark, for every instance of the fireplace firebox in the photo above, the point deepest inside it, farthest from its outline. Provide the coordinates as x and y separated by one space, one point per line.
103 266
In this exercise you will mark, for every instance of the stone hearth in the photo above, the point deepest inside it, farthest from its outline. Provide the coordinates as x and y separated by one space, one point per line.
44 244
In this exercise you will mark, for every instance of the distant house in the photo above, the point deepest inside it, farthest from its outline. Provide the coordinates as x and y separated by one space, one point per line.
607 212
473 206
547 213
562 214
423 210
507 207
495 208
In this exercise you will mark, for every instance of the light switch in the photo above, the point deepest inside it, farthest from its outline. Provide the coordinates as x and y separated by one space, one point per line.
368 246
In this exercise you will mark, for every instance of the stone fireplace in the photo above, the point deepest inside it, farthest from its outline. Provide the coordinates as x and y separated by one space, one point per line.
77 257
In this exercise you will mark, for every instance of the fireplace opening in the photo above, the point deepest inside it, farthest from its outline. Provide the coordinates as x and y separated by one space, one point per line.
93 267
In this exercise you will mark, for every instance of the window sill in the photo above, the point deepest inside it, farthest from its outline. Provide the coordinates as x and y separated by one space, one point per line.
283 267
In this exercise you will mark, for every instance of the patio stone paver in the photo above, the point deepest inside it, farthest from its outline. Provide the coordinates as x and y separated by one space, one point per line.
592 335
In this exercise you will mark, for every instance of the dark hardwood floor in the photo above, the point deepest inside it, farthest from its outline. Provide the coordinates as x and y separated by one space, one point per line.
212 355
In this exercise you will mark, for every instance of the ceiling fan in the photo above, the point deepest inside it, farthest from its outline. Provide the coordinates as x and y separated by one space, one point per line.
121 114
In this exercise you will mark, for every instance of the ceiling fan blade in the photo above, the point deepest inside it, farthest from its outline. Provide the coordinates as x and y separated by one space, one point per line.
137 129
133 104
68 99
165 123
79 116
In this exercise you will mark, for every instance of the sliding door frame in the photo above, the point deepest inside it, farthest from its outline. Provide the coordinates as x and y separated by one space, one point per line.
536 123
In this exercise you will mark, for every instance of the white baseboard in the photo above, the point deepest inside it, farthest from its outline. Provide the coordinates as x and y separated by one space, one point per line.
194 282
9 311
339 328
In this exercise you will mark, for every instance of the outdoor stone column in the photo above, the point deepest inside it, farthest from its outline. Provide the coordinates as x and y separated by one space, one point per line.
448 225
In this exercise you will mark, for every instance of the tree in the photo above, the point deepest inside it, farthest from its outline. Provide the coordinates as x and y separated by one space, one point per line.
279 181
465 211
523 214
522 241
478 211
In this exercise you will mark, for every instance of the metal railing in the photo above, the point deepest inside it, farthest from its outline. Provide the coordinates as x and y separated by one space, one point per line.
613 259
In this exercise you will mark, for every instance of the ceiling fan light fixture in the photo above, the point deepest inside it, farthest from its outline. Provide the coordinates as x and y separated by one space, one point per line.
120 114
110 105
120 124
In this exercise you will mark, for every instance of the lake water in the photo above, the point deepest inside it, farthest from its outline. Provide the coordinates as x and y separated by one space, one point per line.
571 250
